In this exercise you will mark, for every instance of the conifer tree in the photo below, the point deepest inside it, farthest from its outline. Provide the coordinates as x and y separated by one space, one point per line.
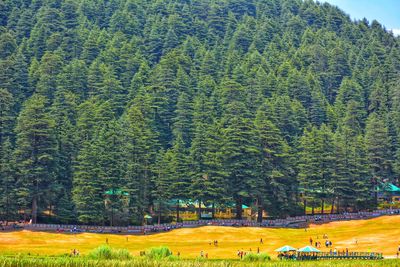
377 147
273 191
35 154
239 145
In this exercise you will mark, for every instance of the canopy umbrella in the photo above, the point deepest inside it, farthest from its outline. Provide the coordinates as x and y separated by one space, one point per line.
308 249
286 249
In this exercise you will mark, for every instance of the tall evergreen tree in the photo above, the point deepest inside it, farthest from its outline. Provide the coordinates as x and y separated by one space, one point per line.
35 155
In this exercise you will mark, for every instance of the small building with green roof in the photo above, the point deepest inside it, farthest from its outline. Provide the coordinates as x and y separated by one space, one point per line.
388 192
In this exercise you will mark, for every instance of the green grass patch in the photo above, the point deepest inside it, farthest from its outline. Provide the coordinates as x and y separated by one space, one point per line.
252 257
161 253
28 261
107 253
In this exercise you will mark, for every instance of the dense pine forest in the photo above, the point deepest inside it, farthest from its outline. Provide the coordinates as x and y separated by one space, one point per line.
127 106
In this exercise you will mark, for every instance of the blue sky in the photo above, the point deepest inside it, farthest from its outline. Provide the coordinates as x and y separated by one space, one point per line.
387 12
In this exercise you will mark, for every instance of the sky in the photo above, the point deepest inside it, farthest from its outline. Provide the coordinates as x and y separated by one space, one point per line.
386 12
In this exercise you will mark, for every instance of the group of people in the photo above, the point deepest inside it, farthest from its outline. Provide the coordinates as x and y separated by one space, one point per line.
287 256
74 252
241 253
317 244
328 243
298 221
215 242
203 255
7 225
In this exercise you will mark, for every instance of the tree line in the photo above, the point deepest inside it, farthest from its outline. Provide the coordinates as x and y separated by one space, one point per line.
276 104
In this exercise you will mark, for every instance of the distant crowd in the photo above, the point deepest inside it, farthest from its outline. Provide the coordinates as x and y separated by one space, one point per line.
290 222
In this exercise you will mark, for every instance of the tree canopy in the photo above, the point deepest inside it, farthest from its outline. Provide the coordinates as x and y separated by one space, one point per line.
276 104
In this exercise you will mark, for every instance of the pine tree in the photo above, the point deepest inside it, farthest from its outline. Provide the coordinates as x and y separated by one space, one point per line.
35 154
50 66
141 147
63 112
73 78
178 175
8 189
20 84
239 145
344 168
377 147
309 166
183 120
363 185
87 193
7 176
208 176
111 169
272 190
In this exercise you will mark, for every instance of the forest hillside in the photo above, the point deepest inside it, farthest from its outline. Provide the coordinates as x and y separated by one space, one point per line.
124 106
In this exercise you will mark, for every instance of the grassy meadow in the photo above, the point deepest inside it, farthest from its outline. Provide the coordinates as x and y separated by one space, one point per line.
139 262
26 248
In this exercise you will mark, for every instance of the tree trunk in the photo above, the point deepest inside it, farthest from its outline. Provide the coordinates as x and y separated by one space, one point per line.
199 209
338 206
239 208
333 206
34 209
159 213
213 210
7 207
112 215
259 210
322 206
177 211
305 206
312 208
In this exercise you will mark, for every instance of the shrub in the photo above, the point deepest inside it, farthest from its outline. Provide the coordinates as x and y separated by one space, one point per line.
256 257
159 253
107 253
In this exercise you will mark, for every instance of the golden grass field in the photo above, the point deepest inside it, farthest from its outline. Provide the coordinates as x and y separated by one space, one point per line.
379 235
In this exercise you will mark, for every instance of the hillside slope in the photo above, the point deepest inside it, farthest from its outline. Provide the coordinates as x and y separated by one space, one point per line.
232 101
377 235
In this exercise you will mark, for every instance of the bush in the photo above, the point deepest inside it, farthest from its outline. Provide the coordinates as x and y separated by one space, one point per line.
256 257
159 253
107 253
